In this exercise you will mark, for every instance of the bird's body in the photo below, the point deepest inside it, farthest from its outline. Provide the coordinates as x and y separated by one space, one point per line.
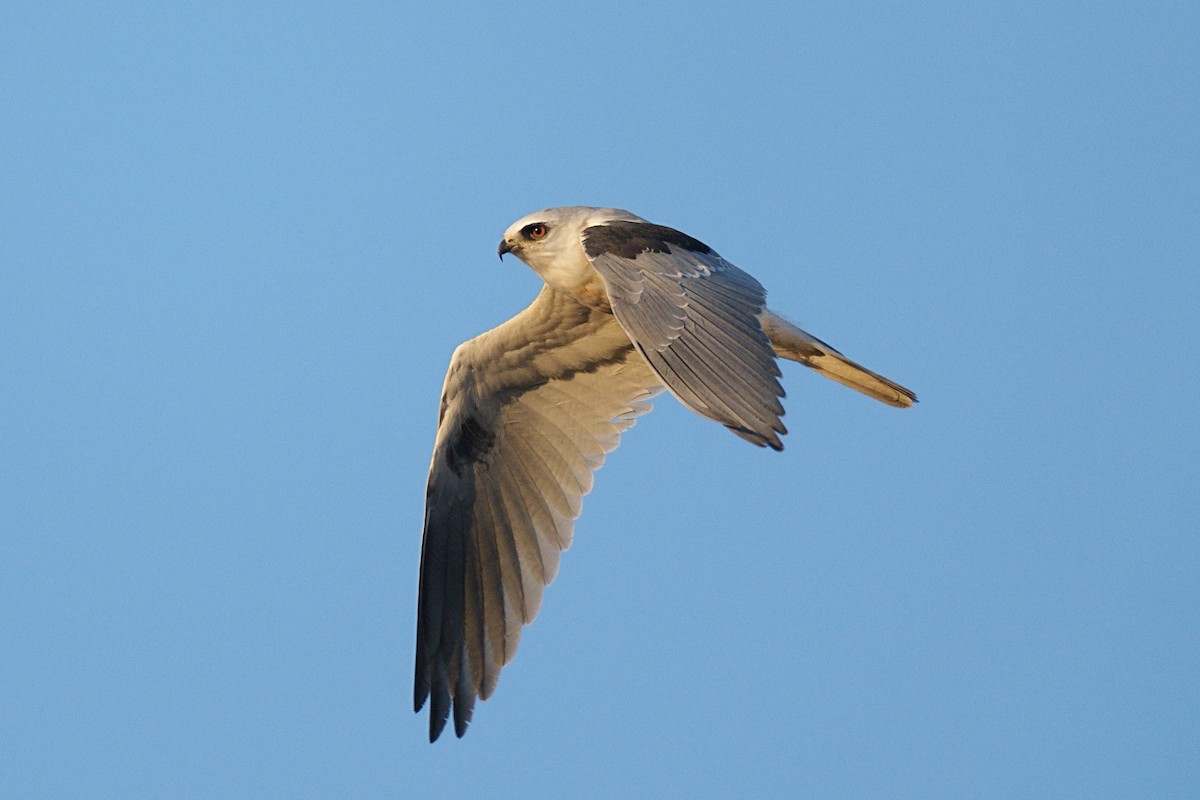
530 409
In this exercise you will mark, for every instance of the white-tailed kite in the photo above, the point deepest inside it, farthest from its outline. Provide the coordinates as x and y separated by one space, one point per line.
529 410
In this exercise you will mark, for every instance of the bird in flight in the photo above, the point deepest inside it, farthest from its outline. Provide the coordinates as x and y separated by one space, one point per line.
530 409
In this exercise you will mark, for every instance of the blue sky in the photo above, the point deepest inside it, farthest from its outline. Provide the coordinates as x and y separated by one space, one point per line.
239 243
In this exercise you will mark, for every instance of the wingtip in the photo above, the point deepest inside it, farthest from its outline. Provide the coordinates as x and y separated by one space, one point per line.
439 710
437 724
464 705
760 439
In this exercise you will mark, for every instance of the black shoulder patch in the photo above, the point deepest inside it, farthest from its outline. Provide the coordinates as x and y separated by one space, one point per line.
470 446
631 239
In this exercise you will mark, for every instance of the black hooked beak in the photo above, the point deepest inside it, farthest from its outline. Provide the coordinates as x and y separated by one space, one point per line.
504 247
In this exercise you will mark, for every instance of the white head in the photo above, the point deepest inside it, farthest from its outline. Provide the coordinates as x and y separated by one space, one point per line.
550 241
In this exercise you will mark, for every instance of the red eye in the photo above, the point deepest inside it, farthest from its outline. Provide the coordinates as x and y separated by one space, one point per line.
536 232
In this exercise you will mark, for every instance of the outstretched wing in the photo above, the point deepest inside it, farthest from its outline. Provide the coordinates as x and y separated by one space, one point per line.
694 317
528 412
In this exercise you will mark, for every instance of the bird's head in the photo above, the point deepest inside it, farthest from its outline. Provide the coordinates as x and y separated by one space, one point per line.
550 241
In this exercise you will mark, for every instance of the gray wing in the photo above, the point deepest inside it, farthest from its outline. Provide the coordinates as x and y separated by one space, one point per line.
528 413
694 317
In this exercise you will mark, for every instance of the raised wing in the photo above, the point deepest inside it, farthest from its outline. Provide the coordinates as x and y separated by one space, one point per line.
694 317
528 412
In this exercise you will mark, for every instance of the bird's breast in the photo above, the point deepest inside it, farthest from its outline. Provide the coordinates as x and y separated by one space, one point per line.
593 293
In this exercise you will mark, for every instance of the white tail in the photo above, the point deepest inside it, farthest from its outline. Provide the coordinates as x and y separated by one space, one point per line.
797 345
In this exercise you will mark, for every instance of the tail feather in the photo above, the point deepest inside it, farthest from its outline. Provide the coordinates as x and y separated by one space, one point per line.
794 344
